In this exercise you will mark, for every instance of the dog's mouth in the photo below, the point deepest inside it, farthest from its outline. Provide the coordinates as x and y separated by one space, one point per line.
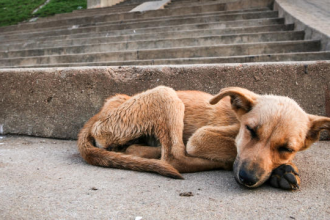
249 178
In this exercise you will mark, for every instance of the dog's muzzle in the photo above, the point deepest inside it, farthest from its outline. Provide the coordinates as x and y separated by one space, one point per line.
247 175
247 178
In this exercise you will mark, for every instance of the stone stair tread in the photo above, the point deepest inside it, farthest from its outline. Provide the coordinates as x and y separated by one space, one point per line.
107 28
191 16
101 12
86 13
154 36
298 56
159 13
280 34
164 19
175 49
186 31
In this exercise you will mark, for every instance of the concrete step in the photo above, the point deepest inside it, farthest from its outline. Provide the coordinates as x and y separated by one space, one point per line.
240 5
171 53
117 17
106 11
188 2
168 20
88 13
205 1
45 43
173 19
135 28
194 1
4 39
155 19
159 44
276 57
120 8
129 2
198 18
177 4
95 11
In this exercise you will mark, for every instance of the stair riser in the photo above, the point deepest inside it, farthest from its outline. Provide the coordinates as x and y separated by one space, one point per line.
218 51
193 42
215 51
115 30
87 13
246 59
118 17
152 36
243 59
111 20
165 18
178 21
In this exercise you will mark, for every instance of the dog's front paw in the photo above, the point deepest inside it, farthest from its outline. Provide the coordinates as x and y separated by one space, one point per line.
285 177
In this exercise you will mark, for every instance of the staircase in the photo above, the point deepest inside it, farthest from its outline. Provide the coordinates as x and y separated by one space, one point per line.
185 32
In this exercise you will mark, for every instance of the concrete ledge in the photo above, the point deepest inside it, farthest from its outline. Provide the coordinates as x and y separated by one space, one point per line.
56 102
148 6
308 16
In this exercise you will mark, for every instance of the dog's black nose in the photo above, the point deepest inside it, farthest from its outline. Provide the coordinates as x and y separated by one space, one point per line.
247 178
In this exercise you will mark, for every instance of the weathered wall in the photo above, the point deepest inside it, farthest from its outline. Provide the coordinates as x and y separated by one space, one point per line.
56 102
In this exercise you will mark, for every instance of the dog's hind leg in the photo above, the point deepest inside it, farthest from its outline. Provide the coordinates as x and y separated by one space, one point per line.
157 112
141 115
148 113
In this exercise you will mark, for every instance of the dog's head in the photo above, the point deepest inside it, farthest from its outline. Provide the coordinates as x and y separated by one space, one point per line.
272 130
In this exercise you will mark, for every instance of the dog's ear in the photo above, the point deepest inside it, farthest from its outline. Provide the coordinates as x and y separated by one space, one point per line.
317 124
242 100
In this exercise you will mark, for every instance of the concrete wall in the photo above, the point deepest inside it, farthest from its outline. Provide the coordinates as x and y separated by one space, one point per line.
57 102
102 3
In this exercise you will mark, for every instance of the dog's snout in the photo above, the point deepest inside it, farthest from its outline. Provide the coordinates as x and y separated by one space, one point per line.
247 178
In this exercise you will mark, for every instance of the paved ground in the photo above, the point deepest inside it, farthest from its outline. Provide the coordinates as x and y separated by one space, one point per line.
46 179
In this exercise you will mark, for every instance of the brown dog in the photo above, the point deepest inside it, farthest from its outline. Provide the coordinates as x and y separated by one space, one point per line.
168 132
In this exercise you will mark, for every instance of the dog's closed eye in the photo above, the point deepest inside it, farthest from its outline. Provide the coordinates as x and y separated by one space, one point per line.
284 149
252 131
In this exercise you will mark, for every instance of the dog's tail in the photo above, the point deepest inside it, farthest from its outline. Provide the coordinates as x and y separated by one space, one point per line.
101 157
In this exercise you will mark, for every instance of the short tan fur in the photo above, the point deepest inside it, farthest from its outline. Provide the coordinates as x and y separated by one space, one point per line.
171 132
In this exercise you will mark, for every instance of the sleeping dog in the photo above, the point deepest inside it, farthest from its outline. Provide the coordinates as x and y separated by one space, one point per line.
171 132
